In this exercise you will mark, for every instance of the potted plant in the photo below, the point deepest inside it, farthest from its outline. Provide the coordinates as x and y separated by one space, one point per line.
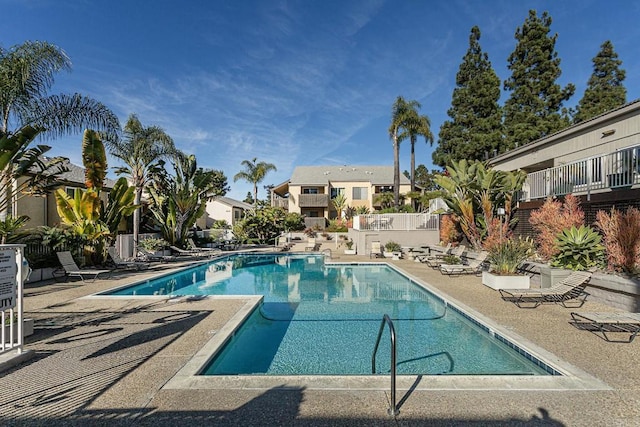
154 245
350 249
392 249
27 326
504 258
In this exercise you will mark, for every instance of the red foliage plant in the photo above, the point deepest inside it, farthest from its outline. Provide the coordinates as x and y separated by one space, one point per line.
550 219
621 238
448 230
497 232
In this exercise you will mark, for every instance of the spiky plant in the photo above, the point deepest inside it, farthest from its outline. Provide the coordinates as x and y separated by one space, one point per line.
579 248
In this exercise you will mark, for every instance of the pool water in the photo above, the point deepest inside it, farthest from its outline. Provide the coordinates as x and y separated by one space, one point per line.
319 319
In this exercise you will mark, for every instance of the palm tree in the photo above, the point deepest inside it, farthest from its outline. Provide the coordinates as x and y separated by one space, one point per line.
400 115
254 173
142 150
26 74
416 126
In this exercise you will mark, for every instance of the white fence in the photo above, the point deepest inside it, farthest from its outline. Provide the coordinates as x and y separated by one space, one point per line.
396 222
615 170
11 289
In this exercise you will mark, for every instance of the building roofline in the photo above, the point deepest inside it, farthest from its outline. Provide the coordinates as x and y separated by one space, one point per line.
578 127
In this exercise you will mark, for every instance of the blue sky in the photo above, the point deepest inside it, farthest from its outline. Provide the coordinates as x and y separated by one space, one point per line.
294 83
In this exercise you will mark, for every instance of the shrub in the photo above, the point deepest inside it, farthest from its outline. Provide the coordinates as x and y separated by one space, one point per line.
392 246
578 248
507 255
621 238
550 219
153 244
349 244
337 226
451 259
448 230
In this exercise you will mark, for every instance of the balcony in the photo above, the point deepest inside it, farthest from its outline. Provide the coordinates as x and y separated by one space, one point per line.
620 169
313 200
280 202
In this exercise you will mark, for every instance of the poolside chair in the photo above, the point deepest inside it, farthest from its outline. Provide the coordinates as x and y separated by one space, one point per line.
187 252
120 263
376 250
71 269
435 263
150 256
312 245
195 247
607 323
568 289
473 267
427 257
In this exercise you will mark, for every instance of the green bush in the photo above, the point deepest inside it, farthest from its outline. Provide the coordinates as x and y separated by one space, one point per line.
505 256
392 246
579 249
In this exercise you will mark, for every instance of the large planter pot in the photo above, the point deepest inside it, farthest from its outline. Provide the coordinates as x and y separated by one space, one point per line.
349 251
495 281
549 276
27 329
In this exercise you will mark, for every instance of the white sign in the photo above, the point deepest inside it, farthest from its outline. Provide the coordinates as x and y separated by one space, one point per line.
8 282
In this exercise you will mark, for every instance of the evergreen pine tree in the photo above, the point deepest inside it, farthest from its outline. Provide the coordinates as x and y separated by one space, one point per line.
534 109
604 90
475 126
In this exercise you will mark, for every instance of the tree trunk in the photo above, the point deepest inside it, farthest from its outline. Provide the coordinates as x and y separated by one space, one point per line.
136 221
396 171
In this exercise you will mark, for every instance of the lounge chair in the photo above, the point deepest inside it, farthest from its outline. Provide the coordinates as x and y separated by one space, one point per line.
150 256
427 257
188 252
312 245
120 263
435 263
473 267
607 323
195 247
71 269
569 289
376 250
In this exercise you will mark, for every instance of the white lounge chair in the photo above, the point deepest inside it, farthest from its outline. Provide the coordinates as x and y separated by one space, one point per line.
568 289
376 250
71 269
474 266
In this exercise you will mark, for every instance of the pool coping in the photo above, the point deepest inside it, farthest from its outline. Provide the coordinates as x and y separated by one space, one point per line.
188 377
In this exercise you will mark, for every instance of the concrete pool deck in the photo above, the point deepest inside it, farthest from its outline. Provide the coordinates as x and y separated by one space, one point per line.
106 361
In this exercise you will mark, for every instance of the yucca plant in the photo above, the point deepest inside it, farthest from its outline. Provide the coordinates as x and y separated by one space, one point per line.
505 256
579 248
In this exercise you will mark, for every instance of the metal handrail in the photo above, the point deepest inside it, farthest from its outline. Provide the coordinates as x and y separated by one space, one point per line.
393 410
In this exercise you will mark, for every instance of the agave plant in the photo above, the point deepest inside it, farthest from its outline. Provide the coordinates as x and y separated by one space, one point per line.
580 248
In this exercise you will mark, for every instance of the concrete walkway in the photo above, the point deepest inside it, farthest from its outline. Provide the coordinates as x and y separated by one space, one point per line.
104 361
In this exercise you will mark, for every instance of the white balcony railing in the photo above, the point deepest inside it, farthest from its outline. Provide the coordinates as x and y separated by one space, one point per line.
418 221
615 170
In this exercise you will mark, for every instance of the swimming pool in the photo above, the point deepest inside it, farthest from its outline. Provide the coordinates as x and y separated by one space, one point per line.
323 319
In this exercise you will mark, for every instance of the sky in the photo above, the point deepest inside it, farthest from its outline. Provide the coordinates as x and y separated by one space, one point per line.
295 83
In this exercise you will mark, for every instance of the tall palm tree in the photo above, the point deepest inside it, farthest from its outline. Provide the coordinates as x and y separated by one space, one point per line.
416 126
401 112
142 150
27 74
254 173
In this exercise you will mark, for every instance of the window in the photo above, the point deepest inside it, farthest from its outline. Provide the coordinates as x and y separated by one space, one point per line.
384 189
360 193
309 191
336 191
71 192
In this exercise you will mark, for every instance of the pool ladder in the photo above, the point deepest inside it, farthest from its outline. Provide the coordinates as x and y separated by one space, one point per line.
386 320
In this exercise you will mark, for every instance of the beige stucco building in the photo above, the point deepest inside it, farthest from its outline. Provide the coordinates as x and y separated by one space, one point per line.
223 208
310 189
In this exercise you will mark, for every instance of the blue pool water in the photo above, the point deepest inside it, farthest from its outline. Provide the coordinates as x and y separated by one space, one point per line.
320 319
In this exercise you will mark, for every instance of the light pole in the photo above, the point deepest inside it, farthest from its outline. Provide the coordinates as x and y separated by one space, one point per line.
501 213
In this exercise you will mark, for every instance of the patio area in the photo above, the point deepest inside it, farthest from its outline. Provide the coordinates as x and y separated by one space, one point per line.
104 361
